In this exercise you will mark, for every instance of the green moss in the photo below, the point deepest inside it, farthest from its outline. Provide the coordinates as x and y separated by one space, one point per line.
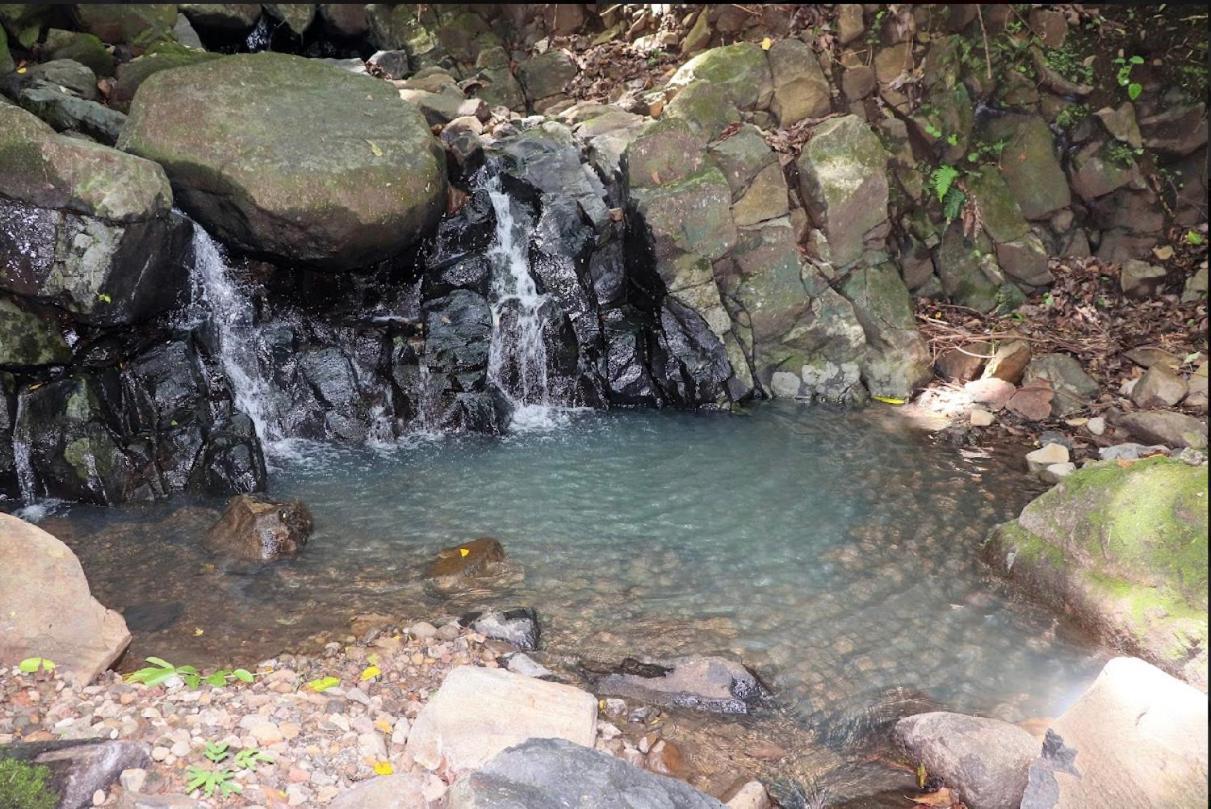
24 786
1143 608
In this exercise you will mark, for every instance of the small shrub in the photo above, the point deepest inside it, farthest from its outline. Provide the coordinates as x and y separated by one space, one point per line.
24 786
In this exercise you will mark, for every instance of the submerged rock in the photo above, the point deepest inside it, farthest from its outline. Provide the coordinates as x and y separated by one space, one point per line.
518 626
329 168
1124 550
46 609
713 684
474 558
477 713
557 774
1136 737
256 528
984 760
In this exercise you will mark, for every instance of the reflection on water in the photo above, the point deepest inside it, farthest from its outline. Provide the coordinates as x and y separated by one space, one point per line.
834 552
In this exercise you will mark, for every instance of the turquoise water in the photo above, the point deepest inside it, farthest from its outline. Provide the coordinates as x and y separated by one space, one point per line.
835 552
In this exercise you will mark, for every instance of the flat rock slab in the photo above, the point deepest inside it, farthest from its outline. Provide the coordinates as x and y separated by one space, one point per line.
46 608
985 760
556 774
1137 737
479 712
713 684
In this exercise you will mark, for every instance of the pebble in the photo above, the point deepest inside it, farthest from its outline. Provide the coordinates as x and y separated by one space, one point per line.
981 417
132 780
1096 425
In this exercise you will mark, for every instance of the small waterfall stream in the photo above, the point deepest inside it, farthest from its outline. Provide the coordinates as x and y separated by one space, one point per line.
25 470
517 358
232 315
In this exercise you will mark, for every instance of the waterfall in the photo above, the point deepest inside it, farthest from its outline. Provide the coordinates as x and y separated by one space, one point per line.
25 470
517 357
233 317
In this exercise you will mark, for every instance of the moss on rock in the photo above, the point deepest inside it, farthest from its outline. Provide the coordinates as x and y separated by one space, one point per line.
1124 549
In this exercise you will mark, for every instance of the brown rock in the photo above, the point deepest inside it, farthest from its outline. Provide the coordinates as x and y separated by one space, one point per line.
1159 387
1009 362
474 558
963 364
1032 402
257 528
46 609
666 759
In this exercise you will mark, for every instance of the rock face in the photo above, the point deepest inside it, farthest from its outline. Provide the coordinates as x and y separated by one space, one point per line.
46 609
1124 549
843 179
712 684
86 228
1137 737
556 774
984 760
259 529
332 169
478 712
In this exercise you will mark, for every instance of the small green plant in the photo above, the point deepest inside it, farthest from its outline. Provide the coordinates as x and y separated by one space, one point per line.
25 786
1122 154
250 758
942 181
216 751
161 670
1072 115
32 665
1123 76
1194 238
211 781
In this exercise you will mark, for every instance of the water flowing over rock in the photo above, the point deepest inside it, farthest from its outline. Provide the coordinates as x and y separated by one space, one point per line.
556 774
46 609
332 168
712 684
260 529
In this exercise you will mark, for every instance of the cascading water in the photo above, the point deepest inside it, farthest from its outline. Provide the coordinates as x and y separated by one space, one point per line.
517 358
233 318
25 470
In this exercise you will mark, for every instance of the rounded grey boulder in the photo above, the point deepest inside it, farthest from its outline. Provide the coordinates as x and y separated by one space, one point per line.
292 158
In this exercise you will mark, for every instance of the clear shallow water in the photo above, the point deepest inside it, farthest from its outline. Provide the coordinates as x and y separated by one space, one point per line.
835 552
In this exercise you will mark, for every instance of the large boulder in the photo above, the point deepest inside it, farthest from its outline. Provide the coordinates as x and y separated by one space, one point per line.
897 360
292 157
85 227
984 760
556 774
132 74
138 24
1137 737
741 69
1123 548
800 89
843 179
259 529
1029 165
1166 427
46 609
479 712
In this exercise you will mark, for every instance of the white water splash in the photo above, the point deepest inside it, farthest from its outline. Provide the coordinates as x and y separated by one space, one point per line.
234 320
517 358
26 481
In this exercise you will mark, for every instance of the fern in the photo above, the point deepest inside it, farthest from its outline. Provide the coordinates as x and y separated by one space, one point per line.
952 204
942 179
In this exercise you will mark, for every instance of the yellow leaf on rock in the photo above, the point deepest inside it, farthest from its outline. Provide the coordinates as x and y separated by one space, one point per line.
323 684
464 552
383 768
198 632
943 797
766 44
370 672
382 726
891 400
374 148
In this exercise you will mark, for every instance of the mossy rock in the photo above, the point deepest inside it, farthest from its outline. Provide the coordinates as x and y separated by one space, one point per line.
86 49
7 65
132 74
292 158
27 339
1123 548
25 20
667 150
690 215
138 24
742 70
25 786
1029 165
999 210
968 270
707 106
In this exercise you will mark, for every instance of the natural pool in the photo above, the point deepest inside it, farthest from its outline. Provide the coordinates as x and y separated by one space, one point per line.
835 552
